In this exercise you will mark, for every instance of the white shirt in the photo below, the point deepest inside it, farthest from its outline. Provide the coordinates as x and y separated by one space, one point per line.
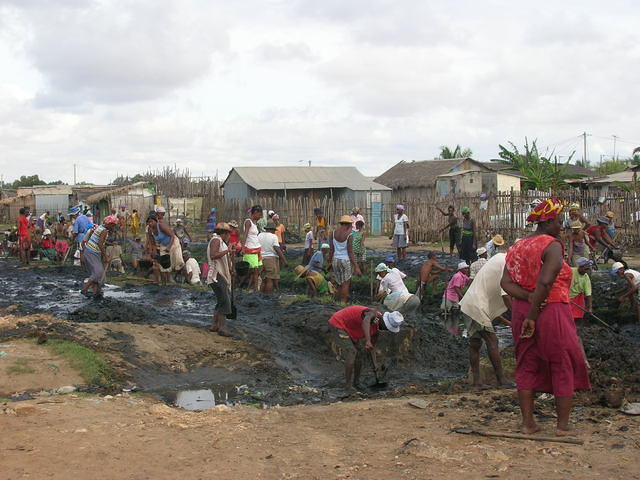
267 241
192 267
394 269
308 239
392 283
252 237
483 300
399 224
636 276
492 248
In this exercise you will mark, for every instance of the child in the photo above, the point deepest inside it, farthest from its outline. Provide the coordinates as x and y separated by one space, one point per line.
308 243
357 242
452 296
136 253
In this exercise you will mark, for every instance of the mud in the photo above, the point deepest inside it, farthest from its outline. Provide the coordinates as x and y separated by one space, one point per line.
298 365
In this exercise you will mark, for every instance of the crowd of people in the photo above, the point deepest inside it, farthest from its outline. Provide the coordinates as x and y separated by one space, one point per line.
540 287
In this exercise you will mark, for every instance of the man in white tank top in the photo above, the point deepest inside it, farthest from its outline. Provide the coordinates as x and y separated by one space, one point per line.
632 289
342 259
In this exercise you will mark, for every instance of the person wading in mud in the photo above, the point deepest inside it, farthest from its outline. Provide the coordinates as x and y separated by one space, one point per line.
93 255
321 226
548 354
161 235
24 236
430 273
481 305
355 330
631 292
251 246
452 226
469 239
220 276
342 258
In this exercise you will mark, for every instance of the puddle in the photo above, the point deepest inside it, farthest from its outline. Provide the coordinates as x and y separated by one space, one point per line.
204 399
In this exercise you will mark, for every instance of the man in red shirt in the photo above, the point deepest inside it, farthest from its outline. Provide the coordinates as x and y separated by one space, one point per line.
597 234
24 236
355 328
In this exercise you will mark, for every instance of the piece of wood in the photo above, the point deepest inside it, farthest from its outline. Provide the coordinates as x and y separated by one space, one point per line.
418 403
518 436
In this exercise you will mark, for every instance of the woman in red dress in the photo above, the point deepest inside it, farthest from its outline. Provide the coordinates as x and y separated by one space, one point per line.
548 354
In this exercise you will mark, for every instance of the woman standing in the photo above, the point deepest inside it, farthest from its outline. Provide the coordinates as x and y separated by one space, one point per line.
548 354
452 225
220 276
161 235
400 232
468 242
212 220
93 255
251 246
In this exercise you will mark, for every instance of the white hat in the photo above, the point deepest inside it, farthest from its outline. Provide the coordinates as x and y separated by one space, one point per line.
481 251
392 321
324 245
381 267
179 220
46 232
270 213
161 210
616 266
462 265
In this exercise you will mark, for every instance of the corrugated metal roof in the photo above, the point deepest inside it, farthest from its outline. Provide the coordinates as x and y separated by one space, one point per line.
296 178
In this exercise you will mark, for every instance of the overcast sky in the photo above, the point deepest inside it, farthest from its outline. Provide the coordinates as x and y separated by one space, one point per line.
119 87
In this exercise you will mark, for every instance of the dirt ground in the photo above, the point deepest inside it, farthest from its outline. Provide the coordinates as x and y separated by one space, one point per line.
131 437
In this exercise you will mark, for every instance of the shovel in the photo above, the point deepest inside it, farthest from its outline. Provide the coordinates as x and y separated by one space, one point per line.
615 330
234 311
378 383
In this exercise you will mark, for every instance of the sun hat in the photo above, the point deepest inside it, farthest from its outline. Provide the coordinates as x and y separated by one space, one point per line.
46 232
481 251
276 216
603 220
300 270
122 205
381 267
89 214
179 220
616 266
392 321
223 226
324 245
574 206
270 226
536 201
399 207
498 240
576 224
161 209
609 214
74 211
462 265
270 213
584 262
465 210
307 226
110 220
390 259
233 224
344 219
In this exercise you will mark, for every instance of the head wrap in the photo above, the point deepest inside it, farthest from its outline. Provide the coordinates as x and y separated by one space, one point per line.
111 219
544 211
399 207
465 210
574 206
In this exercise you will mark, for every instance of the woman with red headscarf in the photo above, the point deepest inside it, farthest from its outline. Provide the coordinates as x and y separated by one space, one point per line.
548 354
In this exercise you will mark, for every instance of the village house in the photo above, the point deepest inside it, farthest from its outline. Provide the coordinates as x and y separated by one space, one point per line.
138 196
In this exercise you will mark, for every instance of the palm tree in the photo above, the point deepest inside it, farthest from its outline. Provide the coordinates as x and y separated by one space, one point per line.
458 152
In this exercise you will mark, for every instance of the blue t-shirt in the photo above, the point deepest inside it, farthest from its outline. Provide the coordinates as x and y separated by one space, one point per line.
80 226
317 257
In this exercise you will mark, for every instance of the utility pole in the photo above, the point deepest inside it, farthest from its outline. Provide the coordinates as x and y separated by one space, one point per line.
74 174
615 138
584 149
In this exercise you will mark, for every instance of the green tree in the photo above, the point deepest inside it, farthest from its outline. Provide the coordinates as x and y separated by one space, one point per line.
615 165
540 172
56 182
27 181
457 152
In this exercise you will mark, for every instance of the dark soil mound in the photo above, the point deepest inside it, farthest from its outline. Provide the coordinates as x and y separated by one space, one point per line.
109 310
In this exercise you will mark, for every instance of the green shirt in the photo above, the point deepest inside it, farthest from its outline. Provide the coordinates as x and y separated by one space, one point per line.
579 284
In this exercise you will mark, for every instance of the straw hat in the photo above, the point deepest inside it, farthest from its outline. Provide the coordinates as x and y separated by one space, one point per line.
300 270
498 240
576 224
481 251
609 214
345 219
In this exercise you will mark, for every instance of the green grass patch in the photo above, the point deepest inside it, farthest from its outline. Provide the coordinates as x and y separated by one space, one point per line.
92 366
20 367
326 299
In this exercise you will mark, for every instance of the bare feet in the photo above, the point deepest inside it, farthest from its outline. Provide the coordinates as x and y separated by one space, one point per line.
529 429
213 328
568 432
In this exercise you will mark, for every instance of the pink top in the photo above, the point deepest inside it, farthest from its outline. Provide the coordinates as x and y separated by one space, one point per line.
458 280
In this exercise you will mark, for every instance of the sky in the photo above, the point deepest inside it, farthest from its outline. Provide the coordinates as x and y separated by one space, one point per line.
119 87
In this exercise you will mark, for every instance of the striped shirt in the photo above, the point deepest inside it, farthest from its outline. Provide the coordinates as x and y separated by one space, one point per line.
94 239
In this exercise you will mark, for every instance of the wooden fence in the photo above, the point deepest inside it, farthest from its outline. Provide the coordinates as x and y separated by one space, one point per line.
503 212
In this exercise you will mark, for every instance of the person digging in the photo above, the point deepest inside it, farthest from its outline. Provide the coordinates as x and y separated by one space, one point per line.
354 331
630 293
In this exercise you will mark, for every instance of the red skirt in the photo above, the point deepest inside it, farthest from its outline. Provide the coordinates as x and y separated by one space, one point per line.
551 361
575 311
